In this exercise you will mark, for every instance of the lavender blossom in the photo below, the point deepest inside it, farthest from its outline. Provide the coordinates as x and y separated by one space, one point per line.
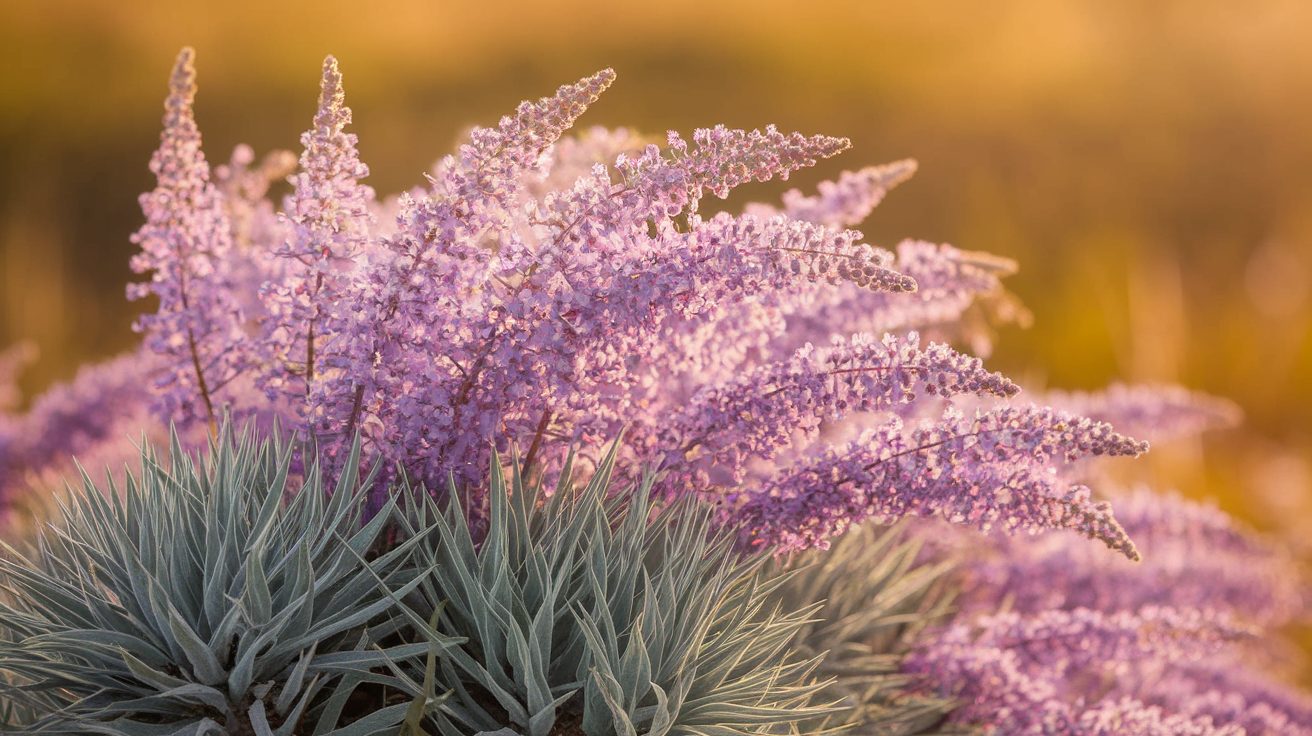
720 159
1229 690
437 243
245 186
186 245
998 468
1012 673
94 418
949 283
1195 559
330 221
848 201
724 427
513 303
1127 715
1193 555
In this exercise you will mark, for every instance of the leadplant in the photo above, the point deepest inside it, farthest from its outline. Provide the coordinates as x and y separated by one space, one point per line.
876 595
588 610
203 596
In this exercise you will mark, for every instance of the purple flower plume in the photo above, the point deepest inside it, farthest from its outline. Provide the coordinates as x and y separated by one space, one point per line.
724 427
950 282
186 246
330 220
1012 672
546 293
93 418
846 202
1231 691
1193 555
1195 559
996 469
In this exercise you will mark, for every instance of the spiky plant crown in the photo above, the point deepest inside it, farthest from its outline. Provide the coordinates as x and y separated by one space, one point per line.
875 594
589 610
201 597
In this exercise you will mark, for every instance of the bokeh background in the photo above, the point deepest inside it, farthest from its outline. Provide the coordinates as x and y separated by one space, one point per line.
1148 163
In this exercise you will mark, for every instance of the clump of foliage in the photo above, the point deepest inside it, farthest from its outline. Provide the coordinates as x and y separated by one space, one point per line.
589 610
203 596
875 593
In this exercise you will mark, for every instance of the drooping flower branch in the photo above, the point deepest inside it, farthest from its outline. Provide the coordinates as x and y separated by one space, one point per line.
724 427
1194 555
1196 559
1155 412
95 418
996 469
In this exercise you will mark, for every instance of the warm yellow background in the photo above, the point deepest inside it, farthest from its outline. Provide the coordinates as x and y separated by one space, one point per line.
1149 162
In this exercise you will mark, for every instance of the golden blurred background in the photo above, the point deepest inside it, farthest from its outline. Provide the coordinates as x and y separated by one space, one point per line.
1148 163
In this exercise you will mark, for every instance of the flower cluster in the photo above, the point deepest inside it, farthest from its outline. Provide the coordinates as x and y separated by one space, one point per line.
95 418
1012 667
1196 560
1193 555
186 246
1155 412
550 296
330 221
998 468
724 426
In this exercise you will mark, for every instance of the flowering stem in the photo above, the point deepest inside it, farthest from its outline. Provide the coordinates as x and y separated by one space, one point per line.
537 439
309 341
859 369
195 360
200 381
920 448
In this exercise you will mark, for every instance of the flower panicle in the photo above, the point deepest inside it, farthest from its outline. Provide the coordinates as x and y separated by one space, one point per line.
849 200
186 244
504 306
996 469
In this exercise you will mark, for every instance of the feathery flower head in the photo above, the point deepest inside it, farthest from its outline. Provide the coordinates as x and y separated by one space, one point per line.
93 419
513 304
848 201
725 427
997 469
330 217
1017 674
186 244
1193 555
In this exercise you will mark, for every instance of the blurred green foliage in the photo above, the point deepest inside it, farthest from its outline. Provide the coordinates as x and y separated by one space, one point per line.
1148 163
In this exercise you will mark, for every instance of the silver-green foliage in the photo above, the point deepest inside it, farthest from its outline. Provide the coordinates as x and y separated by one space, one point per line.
877 596
201 598
591 612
